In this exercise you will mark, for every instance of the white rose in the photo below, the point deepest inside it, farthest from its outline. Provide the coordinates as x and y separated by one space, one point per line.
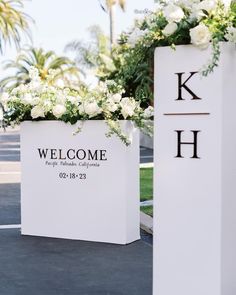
187 4
37 112
35 100
231 34
92 109
148 112
111 106
116 97
128 106
208 5
27 99
170 29
200 36
58 110
173 13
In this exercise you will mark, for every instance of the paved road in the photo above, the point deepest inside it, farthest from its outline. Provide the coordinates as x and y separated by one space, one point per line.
10 146
45 266
146 155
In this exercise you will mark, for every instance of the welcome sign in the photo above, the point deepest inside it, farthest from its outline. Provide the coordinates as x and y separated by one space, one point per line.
67 157
195 174
83 186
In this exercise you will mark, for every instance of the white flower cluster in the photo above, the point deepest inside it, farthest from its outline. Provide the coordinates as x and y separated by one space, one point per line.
231 34
101 100
41 100
194 11
40 97
136 35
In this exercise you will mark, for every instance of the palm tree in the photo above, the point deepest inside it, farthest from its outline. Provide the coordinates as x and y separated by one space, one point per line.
13 22
93 55
44 61
110 8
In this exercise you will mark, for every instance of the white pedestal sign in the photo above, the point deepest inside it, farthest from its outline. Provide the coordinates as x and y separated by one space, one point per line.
83 186
195 176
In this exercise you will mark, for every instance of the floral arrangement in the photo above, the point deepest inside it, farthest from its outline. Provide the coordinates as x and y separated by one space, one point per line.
175 22
40 100
196 22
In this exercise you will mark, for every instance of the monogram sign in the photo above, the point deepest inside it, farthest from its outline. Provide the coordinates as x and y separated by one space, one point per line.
195 175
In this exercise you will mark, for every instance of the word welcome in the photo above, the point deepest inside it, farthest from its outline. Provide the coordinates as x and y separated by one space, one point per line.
72 154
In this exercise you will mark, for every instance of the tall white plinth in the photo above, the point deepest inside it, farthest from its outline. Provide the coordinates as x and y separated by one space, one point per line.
195 173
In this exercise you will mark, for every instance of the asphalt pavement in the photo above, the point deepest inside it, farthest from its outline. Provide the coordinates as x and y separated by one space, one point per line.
46 266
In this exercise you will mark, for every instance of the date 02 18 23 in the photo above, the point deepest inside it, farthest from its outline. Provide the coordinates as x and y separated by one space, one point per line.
72 175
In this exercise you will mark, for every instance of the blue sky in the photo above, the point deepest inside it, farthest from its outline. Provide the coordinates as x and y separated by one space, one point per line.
59 22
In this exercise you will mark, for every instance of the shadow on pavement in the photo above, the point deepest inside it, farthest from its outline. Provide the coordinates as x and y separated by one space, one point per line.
45 266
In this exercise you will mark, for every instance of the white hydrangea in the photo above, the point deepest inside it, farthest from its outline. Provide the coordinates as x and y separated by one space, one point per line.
231 34
81 109
61 98
27 98
60 83
47 105
148 112
150 19
73 99
102 87
128 106
35 85
52 73
135 36
111 106
116 97
34 74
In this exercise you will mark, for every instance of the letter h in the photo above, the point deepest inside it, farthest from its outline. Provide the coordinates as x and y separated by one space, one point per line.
180 143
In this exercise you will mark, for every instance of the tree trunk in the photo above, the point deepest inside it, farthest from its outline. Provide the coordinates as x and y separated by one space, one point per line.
112 24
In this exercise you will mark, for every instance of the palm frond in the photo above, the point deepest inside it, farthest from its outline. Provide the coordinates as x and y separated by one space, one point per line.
43 61
14 23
